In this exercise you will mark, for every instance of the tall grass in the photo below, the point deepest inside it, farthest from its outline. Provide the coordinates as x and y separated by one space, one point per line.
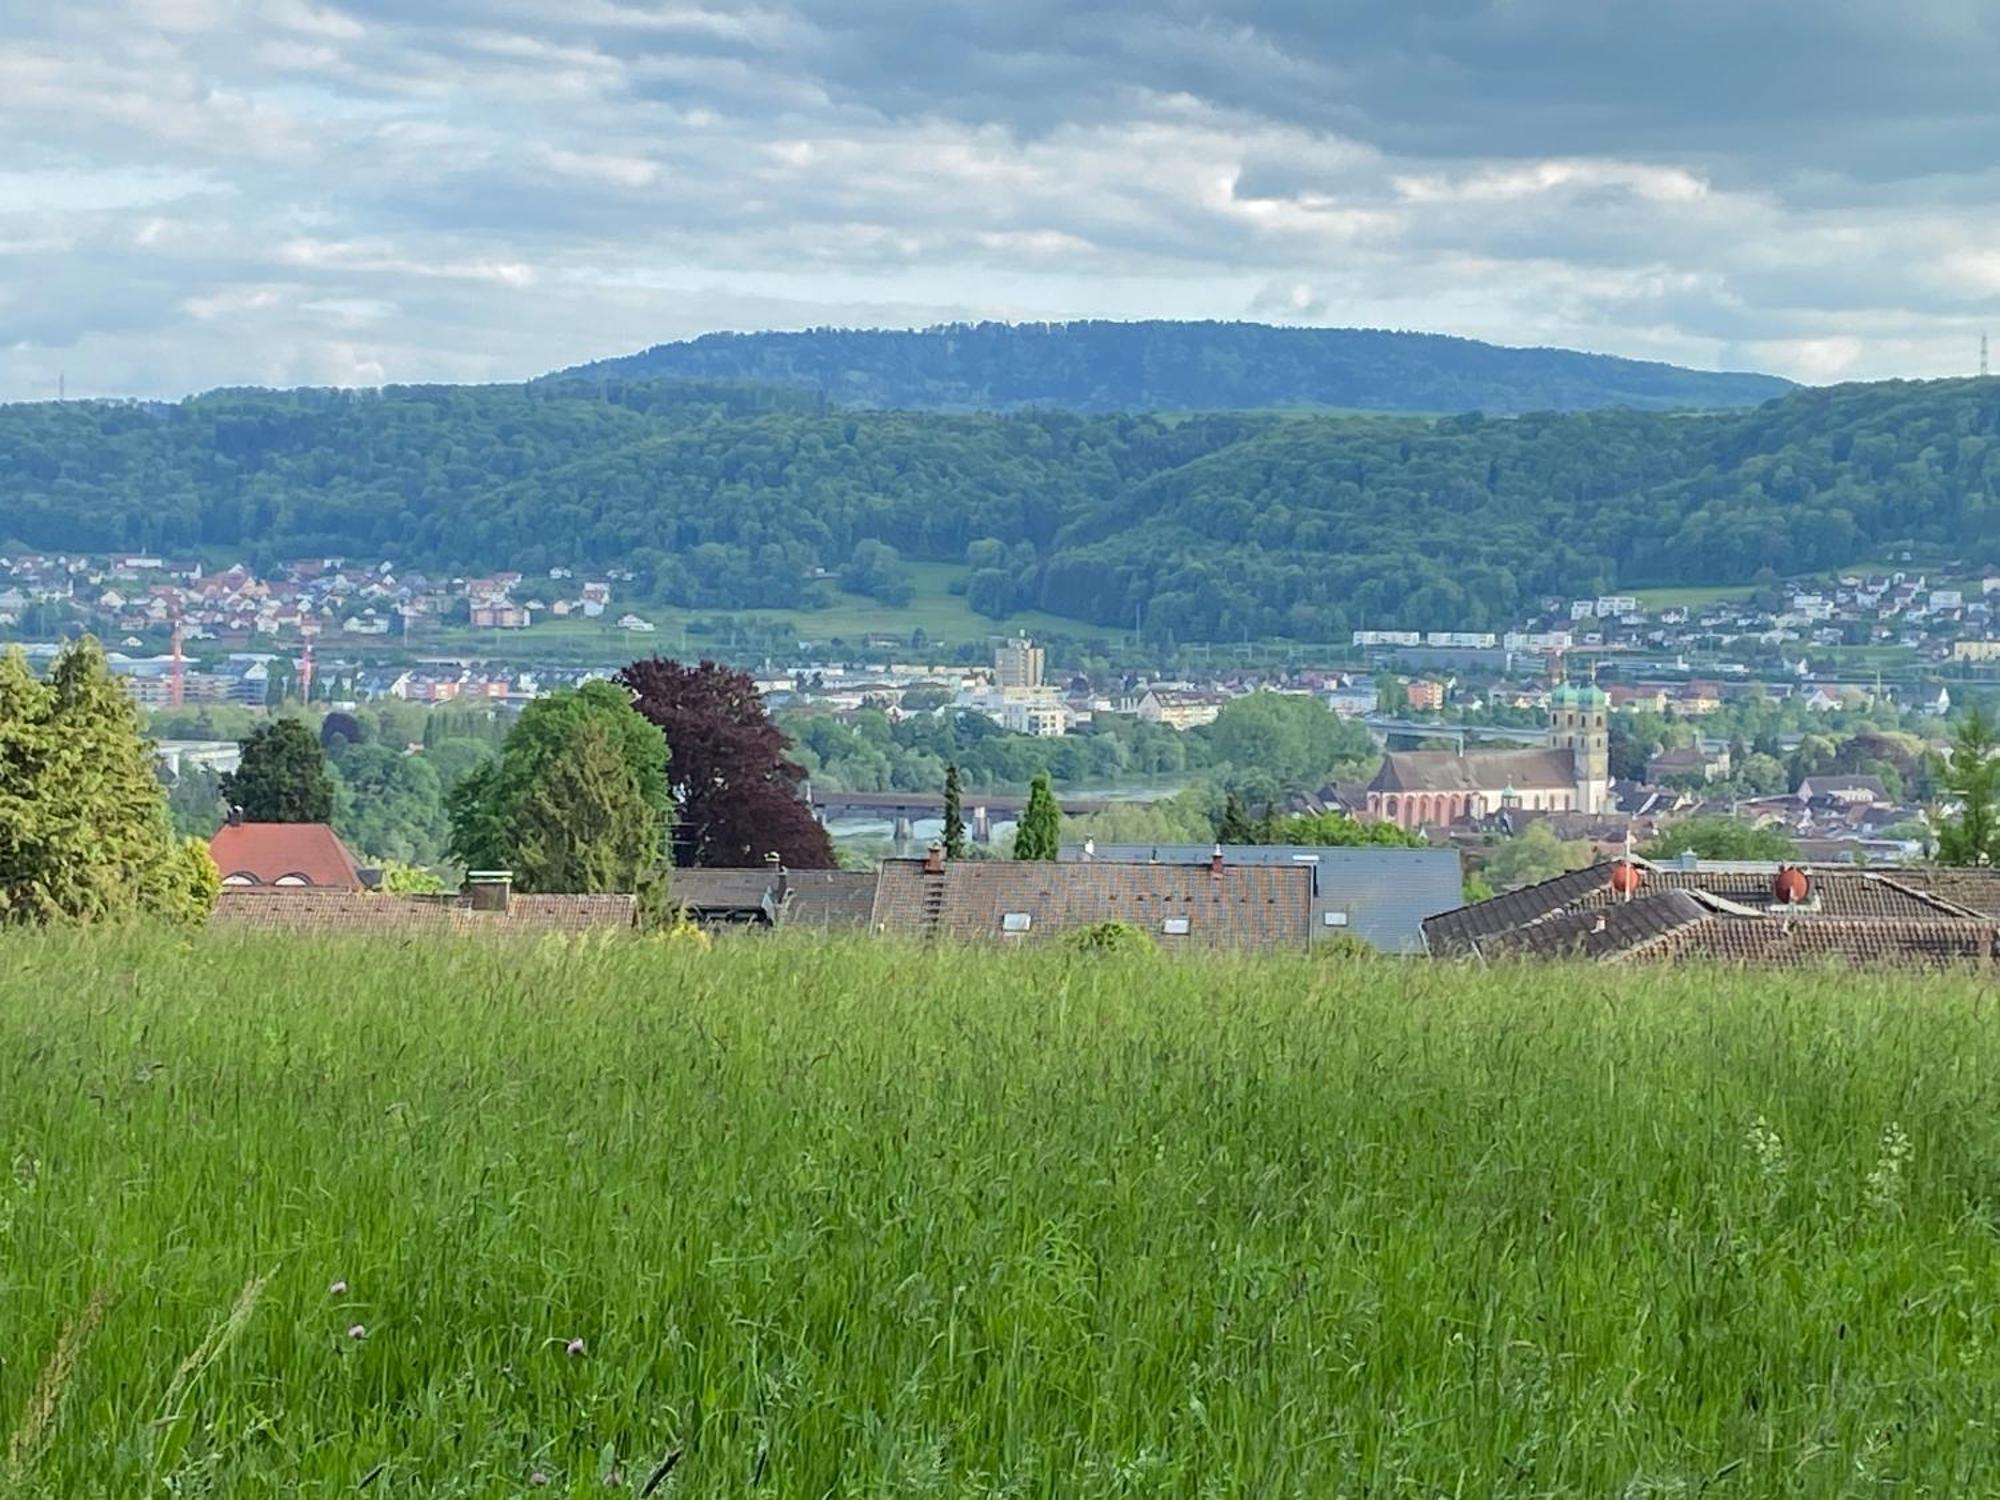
863 1221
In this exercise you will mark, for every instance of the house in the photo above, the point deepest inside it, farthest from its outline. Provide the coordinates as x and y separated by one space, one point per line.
636 624
1239 907
1179 709
499 616
1688 763
1736 913
1850 791
478 911
1378 895
284 854
775 897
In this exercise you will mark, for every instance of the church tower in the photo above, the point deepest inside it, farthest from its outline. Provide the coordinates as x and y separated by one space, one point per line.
1580 722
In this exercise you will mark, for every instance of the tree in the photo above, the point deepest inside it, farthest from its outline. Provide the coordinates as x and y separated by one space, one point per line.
1970 833
1235 825
1039 833
585 824
282 777
1391 696
1334 829
1532 855
389 805
84 831
487 807
1721 838
194 801
737 789
954 814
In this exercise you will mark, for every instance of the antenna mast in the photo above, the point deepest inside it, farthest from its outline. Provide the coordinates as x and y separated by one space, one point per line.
1983 371
177 674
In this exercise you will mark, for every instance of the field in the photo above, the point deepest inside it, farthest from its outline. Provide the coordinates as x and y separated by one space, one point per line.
859 1221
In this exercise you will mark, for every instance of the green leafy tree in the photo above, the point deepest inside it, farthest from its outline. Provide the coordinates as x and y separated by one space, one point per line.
411 880
84 831
954 814
585 824
1532 855
283 776
1334 829
1039 833
1721 838
1969 831
194 801
390 805
485 808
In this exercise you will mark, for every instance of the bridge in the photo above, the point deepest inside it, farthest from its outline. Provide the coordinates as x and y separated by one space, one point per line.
1385 728
905 809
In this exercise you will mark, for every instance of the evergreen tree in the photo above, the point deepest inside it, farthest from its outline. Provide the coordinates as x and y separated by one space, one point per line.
585 824
1970 835
1039 833
954 814
488 806
1235 826
84 832
283 776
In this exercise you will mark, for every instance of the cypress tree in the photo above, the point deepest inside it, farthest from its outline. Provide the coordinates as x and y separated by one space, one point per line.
1235 826
1972 835
954 814
1039 833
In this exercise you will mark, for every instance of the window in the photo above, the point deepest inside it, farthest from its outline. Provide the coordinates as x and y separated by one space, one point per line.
1175 927
1336 919
1016 921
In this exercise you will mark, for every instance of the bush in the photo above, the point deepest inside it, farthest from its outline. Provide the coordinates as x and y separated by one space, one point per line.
1109 937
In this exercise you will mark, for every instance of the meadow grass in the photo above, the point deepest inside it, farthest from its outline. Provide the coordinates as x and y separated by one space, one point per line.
858 1220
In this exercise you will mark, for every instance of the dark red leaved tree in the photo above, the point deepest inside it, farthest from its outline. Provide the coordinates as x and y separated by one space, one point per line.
738 793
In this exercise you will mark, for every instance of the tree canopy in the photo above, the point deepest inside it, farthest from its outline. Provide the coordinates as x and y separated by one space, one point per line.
1199 527
736 787
1720 838
1039 833
282 777
504 813
1969 831
84 830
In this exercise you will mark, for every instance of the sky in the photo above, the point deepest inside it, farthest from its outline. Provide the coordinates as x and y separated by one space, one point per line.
196 193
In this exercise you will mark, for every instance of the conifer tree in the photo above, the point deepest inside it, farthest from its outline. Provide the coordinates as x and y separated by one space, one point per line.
585 825
1235 826
84 831
1039 833
954 814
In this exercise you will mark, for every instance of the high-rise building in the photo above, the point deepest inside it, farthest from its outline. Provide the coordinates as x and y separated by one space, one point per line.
1017 664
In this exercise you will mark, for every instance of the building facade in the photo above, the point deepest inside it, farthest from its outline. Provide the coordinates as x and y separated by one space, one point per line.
1427 788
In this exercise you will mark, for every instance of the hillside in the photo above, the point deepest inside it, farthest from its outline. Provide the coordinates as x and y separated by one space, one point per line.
1165 366
1212 527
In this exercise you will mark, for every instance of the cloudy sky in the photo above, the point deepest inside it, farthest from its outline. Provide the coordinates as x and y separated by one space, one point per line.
205 192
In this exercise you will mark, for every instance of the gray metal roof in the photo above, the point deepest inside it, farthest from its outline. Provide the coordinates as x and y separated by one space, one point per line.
1380 895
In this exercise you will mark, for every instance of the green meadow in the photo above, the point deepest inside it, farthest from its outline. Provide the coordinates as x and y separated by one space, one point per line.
794 1219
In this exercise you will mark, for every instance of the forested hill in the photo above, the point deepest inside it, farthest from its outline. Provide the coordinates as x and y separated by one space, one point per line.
1163 366
1218 525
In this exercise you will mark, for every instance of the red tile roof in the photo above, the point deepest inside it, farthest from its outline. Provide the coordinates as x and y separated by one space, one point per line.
290 854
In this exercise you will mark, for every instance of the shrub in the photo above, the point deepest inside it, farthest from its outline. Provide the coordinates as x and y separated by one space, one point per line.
1109 937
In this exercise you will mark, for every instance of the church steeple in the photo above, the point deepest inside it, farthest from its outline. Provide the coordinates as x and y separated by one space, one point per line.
1580 722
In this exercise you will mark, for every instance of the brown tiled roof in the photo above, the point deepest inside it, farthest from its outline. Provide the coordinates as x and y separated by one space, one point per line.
1476 771
1461 929
1974 889
1776 941
295 853
1866 895
308 912
1244 907
1599 931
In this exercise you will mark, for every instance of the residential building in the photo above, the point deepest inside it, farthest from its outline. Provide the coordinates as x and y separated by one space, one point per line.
284 854
1018 663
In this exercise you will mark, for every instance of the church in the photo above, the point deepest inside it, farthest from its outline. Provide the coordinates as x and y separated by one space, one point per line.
1423 788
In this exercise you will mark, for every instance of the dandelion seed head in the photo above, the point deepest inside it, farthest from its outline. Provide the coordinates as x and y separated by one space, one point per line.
574 1348
336 1289
358 1332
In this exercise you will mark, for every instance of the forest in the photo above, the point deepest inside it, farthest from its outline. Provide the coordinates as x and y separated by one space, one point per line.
1178 366
1217 527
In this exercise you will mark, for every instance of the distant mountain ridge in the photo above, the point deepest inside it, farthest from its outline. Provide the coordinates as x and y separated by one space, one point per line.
1182 366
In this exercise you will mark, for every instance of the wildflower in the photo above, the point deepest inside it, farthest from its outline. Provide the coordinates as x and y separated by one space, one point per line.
614 1480
574 1348
1769 1149
538 1478
336 1289
1885 1183
358 1332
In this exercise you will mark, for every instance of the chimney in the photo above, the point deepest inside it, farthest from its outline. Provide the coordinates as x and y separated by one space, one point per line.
1215 862
934 860
235 817
491 890
1090 848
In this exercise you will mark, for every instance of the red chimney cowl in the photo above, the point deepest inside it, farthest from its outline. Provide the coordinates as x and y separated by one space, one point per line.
1790 887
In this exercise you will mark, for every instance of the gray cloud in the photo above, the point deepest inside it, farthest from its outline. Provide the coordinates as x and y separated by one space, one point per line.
228 191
